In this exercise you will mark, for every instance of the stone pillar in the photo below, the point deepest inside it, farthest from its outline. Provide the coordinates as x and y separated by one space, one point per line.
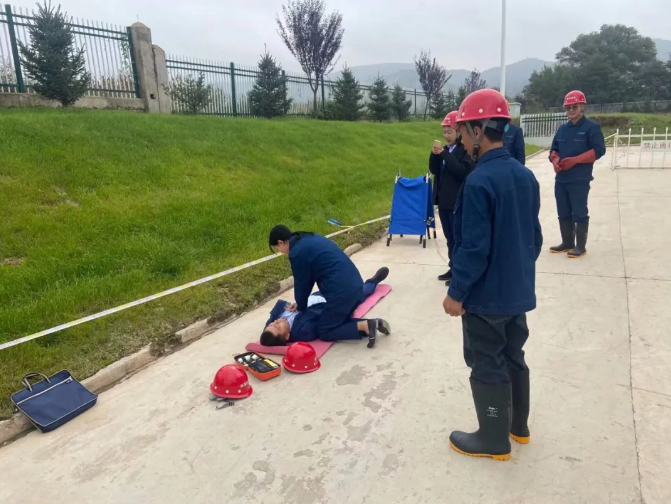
146 67
162 81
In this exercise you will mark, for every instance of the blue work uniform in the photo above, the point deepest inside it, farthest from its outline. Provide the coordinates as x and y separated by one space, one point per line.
317 260
514 143
303 325
572 186
498 239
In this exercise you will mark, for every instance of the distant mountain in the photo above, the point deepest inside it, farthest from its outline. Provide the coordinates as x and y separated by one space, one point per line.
517 75
663 49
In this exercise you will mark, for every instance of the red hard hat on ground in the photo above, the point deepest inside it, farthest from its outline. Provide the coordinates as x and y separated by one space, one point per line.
574 97
483 104
450 119
301 358
231 382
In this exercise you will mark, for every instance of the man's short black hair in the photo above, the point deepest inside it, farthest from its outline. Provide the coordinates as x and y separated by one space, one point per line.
283 233
269 339
495 129
279 233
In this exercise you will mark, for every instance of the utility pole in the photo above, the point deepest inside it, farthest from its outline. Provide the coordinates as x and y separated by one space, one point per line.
503 49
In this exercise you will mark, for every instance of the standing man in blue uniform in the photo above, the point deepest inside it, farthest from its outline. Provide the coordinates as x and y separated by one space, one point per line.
317 260
498 240
515 143
576 146
450 165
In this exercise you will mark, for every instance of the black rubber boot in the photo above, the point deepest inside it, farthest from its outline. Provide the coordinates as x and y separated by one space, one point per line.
492 405
445 276
580 239
380 276
567 230
519 387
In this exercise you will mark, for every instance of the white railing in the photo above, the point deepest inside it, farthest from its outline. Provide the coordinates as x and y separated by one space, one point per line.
641 150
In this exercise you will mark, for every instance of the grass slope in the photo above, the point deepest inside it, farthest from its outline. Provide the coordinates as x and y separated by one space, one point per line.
100 208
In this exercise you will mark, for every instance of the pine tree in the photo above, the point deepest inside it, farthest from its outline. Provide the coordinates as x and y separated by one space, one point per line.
379 105
268 97
451 100
400 106
51 61
461 95
191 94
439 106
347 95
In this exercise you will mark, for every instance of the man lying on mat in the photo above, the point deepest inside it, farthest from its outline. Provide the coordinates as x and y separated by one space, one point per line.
288 325
317 260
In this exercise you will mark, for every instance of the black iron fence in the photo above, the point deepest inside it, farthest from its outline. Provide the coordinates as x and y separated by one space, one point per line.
108 52
229 85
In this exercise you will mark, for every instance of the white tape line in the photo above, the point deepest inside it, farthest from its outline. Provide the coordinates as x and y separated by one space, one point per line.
101 314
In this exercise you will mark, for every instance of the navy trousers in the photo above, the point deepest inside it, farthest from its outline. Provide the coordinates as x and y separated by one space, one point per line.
572 200
336 322
447 221
493 344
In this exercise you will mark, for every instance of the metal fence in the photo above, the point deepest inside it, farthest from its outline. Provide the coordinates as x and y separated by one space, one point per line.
108 52
641 150
230 85
613 108
541 125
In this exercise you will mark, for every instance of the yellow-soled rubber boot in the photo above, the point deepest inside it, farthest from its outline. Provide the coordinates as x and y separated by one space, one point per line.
519 387
492 406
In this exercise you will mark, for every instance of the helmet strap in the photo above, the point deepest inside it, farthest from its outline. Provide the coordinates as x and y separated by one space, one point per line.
478 139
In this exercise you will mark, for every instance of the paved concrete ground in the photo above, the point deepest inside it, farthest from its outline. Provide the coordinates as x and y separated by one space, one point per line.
372 425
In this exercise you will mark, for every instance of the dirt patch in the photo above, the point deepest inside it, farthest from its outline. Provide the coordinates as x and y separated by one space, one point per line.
12 261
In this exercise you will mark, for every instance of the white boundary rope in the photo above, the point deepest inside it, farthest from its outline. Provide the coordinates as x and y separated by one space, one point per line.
9 344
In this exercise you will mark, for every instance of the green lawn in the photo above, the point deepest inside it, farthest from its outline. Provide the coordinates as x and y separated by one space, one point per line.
101 208
531 149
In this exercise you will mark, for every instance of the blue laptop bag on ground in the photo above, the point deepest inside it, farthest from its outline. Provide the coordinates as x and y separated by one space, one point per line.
53 401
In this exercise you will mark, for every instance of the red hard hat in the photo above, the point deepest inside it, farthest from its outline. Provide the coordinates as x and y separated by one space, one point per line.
231 382
301 358
574 97
450 119
483 104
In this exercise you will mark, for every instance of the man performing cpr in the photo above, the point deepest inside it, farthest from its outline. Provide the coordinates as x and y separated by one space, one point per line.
287 325
317 260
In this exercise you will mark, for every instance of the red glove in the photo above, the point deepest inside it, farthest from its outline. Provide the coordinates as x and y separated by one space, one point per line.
554 159
584 158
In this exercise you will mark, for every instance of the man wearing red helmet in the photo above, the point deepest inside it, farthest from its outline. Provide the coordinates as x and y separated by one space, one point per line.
450 166
576 146
498 240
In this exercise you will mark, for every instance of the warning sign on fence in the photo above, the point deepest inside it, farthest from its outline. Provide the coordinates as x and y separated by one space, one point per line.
657 145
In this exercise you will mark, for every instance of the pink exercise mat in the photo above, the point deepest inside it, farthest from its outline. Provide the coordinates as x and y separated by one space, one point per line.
322 346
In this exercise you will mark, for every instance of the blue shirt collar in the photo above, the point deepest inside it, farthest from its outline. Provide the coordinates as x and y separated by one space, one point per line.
578 124
493 154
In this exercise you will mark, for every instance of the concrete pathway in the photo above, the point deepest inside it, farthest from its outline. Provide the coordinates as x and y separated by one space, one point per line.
372 425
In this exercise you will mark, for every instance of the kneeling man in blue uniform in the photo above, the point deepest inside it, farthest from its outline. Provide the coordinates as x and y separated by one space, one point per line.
317 260
497 242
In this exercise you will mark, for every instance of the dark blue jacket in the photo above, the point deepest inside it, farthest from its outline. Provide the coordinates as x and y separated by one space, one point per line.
450 169
497 237
304 327
316 259
514 142
574 139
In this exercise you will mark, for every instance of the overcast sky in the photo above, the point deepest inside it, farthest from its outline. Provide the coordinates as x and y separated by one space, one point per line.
462 34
